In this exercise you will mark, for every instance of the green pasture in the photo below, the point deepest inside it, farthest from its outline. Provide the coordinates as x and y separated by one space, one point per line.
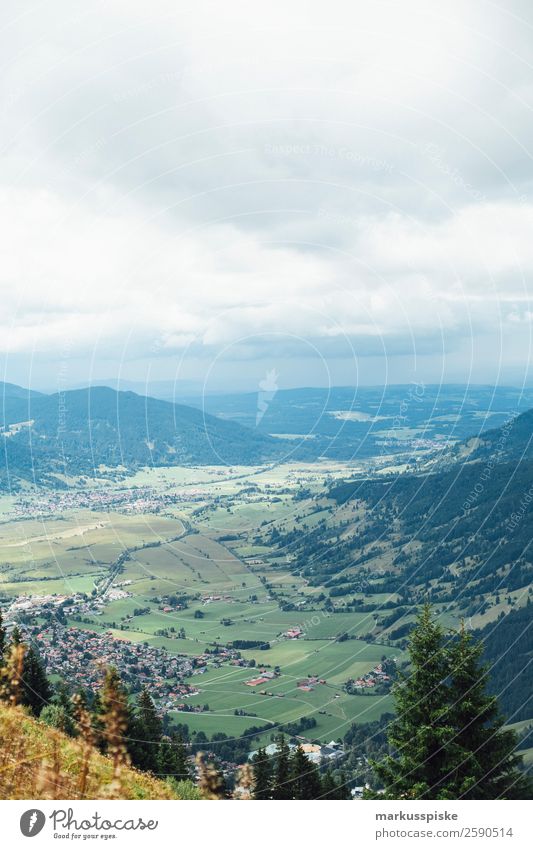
66 554
280 701
336 662
233 726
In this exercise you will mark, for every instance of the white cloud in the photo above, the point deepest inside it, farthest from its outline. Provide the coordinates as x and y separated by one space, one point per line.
191 177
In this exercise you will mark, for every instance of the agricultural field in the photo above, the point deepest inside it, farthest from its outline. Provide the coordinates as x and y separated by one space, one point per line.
68 553
181 560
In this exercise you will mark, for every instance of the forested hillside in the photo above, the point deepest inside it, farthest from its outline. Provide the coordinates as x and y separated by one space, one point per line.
508 646
460 537
75 432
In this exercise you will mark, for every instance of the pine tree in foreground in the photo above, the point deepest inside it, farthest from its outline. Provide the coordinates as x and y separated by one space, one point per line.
447 738
485 764
282 785
181 762
421 731
329 787
342 787
35 689
59 713
172 760
305 776
263 771
146 733
166 761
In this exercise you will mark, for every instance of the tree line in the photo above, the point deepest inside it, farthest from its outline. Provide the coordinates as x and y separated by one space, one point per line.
289 774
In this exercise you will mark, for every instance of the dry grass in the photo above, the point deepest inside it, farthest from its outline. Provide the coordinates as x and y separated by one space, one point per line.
38 762
210 781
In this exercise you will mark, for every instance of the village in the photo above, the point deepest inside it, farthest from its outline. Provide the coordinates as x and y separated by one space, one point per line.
133 501
80 657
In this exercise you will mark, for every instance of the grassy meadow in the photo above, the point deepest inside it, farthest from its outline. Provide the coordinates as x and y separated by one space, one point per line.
209 542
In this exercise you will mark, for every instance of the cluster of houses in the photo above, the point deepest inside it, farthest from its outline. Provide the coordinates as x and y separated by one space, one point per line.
293 633
115 594
264 676
132 500
78 603
136 500
80 657
209 599
370 679
34 604
309 684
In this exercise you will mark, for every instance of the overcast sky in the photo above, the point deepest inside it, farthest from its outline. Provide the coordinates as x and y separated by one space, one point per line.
208 191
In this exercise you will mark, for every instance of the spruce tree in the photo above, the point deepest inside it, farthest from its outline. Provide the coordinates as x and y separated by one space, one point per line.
166 761
82 699
182 769
282 786
147 730
101 706
263 771
484 764
342 788
54 715
65 710
329 787
447 739
420 733
305 776
36 690
148 717
171 760
16 636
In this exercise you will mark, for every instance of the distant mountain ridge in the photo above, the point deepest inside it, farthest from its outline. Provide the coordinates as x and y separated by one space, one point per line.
75 432
12 391
511 441
345 422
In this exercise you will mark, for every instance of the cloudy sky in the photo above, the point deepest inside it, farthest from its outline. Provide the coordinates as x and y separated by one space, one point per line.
208 191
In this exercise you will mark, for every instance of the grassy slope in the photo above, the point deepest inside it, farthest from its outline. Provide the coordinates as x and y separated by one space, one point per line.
39 762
